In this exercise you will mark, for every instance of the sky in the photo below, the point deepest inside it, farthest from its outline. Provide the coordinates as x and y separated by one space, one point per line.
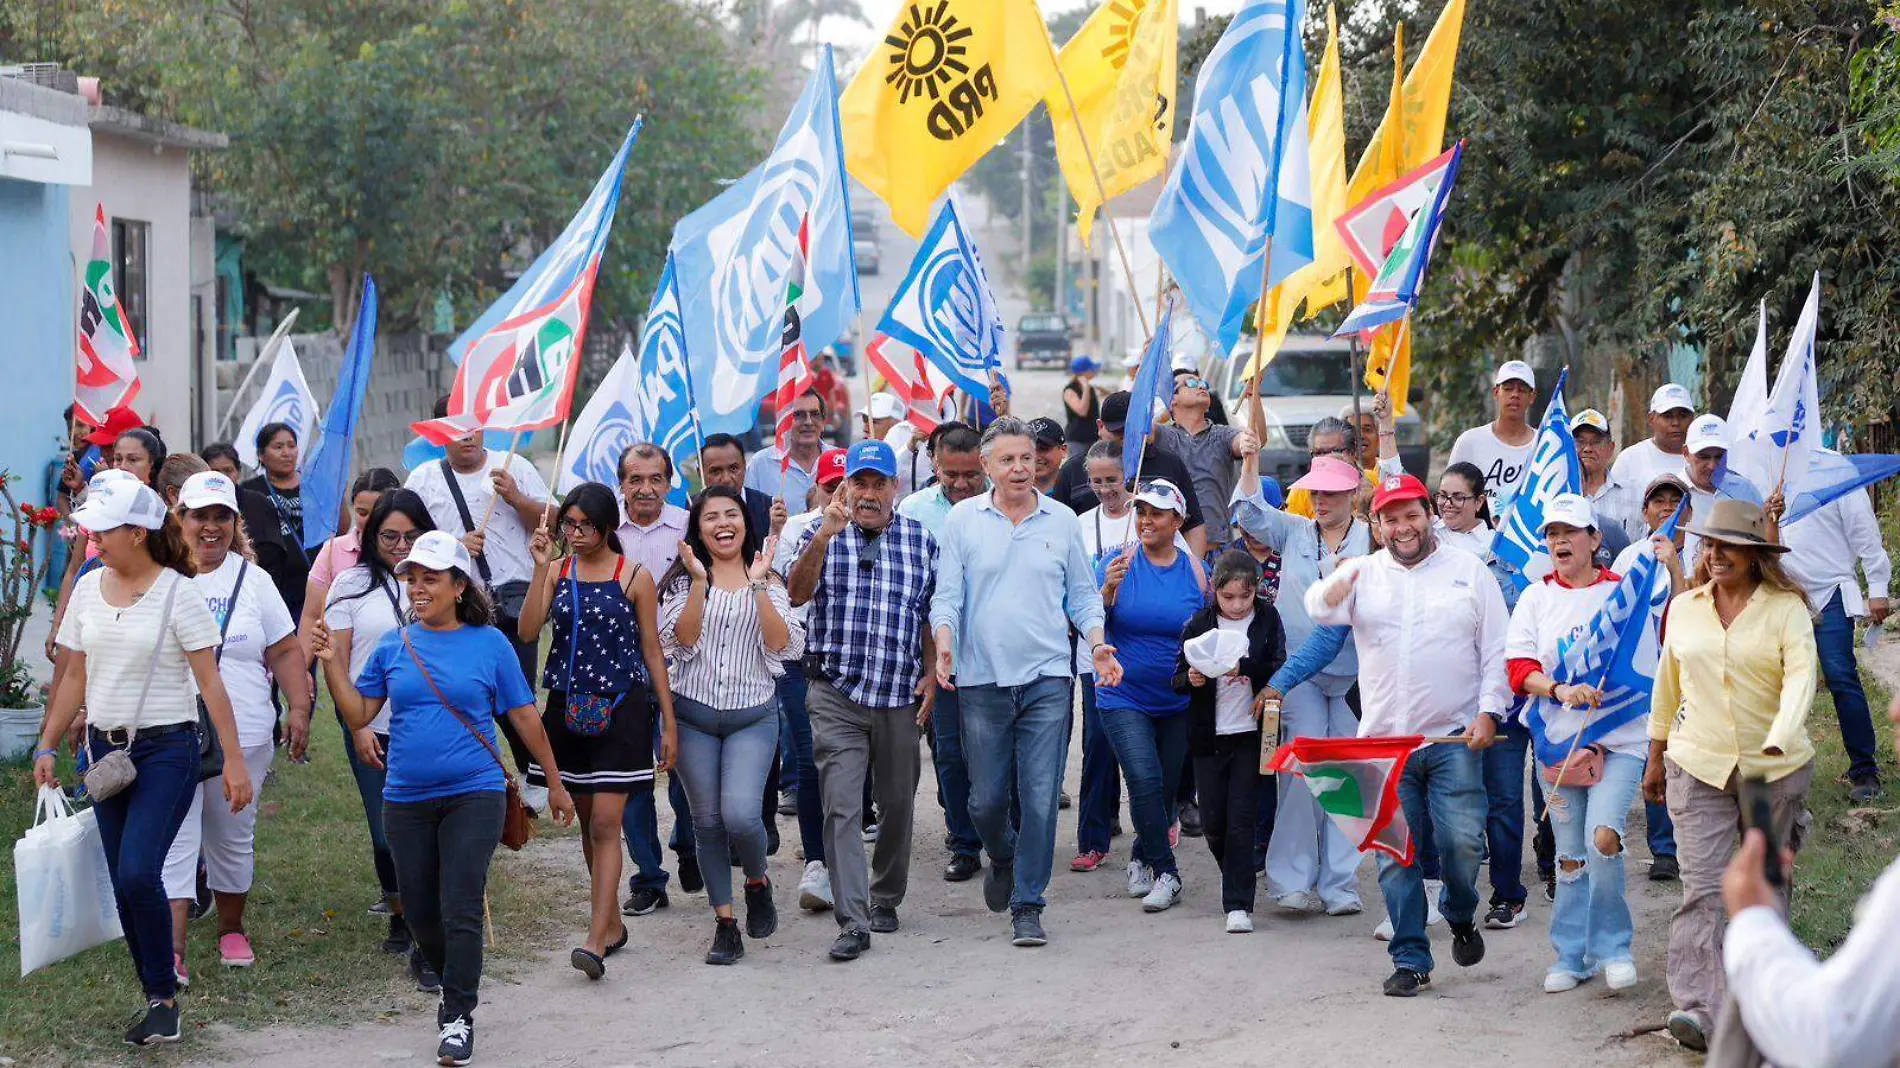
882 12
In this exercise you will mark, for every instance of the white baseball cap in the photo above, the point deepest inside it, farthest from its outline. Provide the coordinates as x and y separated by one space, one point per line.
1570 509
438 550
1164 495
207 488
119 502
1707 432
883 406
1515 371
1593 419
1669 397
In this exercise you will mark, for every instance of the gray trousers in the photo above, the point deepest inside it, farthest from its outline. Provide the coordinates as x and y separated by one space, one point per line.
848 740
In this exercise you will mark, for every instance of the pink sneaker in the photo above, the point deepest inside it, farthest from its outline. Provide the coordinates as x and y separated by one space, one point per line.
179 971
1088 861
235 950
1174 836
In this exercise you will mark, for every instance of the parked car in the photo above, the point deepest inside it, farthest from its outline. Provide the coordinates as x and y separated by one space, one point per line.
1310 378
1042 340
868 255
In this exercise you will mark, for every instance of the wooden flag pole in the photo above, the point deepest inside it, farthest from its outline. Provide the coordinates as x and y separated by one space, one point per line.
1260 317
560 458
514 445
1101 192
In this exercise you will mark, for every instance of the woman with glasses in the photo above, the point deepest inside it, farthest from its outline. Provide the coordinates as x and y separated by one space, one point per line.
603 663
345 550
1328 436
1107 529
366 602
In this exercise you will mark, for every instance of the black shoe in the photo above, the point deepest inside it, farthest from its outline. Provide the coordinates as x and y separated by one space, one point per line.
620 945
643 901
997 884
159 1024
850 945
1866 790
962 868
771 840
426 980
592 965
399 941
1504 915
949 841
691 882
883 919
1664 869
1190 816
727 946
382 908
1064 801
1467 945
1115 829
1406 983
761 915
1026 929
1550 886
788 802
457 1046
202 898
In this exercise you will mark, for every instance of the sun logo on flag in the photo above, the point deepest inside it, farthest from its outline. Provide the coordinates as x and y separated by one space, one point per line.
927 52
1122 33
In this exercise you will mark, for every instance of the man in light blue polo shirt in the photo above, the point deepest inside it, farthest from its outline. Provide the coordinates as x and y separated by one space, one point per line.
1013 575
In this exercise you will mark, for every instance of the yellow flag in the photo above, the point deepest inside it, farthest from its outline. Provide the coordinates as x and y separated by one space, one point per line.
1322 282
950 80
1121 70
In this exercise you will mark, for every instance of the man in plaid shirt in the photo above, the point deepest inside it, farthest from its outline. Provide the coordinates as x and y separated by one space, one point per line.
868 574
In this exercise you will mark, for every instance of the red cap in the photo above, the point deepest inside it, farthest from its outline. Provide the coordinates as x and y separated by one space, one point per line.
830 468
118 421
1394 489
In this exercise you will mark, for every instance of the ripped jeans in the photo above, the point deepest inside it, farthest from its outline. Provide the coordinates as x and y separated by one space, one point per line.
1590 925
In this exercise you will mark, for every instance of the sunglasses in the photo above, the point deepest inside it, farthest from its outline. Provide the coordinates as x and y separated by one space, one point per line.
1191 382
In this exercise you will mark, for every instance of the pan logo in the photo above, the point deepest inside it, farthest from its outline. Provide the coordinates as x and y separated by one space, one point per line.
600 459
749 286
287 407
1796 425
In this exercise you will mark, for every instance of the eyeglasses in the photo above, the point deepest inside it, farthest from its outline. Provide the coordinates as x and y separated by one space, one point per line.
392 538
576 526
807 417
1341 450
1456 500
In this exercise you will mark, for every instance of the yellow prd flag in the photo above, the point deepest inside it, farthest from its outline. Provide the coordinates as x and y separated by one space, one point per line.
950 80
1322 282
1121 70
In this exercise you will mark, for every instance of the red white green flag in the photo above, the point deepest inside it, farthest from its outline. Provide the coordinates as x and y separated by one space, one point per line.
795 376
106 377
1356 781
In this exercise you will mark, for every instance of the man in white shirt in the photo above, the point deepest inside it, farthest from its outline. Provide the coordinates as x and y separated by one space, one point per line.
1823 548
1429 625
766 471
1619 513
1502 448
1670 409
1705 464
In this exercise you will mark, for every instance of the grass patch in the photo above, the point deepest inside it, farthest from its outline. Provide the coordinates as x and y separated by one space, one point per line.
1848 848
317 949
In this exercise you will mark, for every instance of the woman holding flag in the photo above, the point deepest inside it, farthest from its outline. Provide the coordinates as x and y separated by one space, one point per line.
1593 784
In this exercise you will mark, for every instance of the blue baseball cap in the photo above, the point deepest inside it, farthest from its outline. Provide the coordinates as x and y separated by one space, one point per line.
870 456
1082 365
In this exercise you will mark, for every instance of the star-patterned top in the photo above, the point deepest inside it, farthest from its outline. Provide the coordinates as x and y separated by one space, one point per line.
608 658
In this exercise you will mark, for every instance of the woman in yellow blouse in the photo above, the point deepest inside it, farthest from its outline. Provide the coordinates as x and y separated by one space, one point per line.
1733 687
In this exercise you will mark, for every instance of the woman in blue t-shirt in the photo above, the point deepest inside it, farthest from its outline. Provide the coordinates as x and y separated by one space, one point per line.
1150 592
445 680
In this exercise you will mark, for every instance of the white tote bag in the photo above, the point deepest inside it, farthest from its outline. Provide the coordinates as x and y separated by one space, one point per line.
66 901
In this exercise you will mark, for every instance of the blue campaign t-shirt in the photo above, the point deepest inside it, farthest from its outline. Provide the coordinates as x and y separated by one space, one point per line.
1151 609
431 754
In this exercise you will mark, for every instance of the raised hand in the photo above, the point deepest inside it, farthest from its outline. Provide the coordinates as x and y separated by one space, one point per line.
762 563
695 568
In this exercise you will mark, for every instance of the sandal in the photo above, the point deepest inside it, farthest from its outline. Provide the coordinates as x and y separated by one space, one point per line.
617 946
587 963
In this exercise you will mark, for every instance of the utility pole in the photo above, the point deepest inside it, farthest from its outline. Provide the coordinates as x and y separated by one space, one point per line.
1062 253
1029 223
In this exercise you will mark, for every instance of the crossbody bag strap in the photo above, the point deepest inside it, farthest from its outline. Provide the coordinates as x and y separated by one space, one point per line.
468 520
151 668
460 715
574 623
224 625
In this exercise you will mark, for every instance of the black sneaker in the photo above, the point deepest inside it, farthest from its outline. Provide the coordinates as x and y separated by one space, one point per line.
1115 829
691 882
1064 801
761 915
382 908
1406 983
399 941
1190 816
961 869
426 980
883 919
1504 915
160 1024
1664 869
457 1046
1467 945
788 802
771 840
644 901
850 945
1026 929
727 946
202 898
1866 790
1550 885
997 884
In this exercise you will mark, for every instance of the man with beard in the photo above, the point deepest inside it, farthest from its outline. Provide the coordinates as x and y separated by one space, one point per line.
1429 625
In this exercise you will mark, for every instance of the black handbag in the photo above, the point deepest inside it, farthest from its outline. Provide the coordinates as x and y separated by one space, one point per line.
509 597
210 746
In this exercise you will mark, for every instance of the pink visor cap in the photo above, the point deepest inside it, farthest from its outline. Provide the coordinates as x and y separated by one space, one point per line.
1331 474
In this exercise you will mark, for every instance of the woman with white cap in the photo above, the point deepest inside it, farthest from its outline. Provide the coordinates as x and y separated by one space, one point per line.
1593 765
137 638
447 678
258 640
1308 857
1150 590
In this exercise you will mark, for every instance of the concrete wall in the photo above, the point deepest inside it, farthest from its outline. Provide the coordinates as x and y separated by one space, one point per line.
38 317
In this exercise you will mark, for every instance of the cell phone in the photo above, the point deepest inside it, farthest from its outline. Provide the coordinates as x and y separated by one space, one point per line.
1758 813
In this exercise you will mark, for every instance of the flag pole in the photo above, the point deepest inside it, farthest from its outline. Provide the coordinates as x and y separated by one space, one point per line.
269 351
1352 354
1101 191
560 459
514 445
1260 317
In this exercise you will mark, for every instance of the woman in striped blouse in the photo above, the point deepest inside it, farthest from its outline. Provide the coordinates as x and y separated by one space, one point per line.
726 627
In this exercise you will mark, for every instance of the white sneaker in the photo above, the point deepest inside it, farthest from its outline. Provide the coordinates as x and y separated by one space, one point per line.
1383 932
535 797
1141 879
1345 906
1297 901
1620 974
1239 922
1556 981
1166 892
869 833
1433 888
814 889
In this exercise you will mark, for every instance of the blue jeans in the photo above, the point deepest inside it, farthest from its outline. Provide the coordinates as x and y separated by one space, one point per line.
953 773
1834 640
1446 781
442 849
1660 830
1019 735
1150 750
1591 925
725 757
136 826
369 786
1504 815
1101 797
802 768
